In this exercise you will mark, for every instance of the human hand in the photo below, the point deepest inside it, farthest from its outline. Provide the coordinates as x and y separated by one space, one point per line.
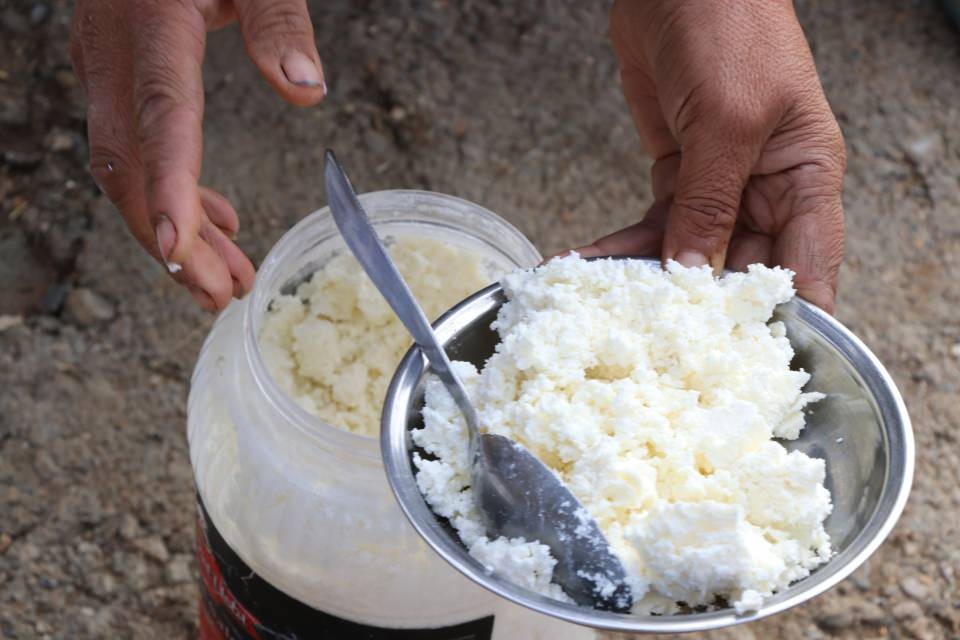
140 64
748 158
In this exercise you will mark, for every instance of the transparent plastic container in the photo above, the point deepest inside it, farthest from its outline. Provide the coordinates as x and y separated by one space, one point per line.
306 505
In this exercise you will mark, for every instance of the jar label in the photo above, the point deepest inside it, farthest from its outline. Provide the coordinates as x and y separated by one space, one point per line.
237 604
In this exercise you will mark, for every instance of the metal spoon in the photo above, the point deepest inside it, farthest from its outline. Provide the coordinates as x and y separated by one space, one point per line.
517 495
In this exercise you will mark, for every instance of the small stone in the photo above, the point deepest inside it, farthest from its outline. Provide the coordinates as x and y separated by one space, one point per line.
154 547
134 570
60 140
39 13
23 160
81 504
14 106
907 610
8 322
914 588
178 569
102 583
835 620
53 298
87 307
924 148
27 553
129 527
398 114
66 78
955 350
872 614
5 542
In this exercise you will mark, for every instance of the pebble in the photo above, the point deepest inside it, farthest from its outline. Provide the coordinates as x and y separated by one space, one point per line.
872 614
102 583
27 553
835 620
39 13
87 307
178 569
5 542
924 149
24 160
14 109
154 547
129 527
60 140
914 588
83 505
134 570
53 297
907 610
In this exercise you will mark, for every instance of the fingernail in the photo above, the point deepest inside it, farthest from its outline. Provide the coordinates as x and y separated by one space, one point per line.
238 291
166 239
691 259
301 70
203 298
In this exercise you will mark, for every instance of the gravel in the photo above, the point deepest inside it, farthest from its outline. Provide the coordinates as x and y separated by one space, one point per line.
512 105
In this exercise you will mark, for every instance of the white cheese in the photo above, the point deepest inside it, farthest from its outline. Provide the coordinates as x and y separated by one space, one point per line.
655 396
334 346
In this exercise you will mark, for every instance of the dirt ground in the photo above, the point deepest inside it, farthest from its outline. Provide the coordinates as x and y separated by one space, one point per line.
511 105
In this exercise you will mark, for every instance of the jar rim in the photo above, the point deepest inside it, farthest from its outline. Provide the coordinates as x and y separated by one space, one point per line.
298 240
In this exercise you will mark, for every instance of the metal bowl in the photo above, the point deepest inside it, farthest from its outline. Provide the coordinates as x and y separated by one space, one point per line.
861 430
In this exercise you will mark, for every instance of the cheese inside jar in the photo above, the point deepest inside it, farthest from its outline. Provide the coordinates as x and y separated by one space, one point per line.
298 531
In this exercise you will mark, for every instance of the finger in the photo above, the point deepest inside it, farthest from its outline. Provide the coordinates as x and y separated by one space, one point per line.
638 87
202 298
642 239
238 265
279 38
168 44
102 46
746 248
713 172
811 244
220 211
207 271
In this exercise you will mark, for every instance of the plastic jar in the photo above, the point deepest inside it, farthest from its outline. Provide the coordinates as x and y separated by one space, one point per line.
298 528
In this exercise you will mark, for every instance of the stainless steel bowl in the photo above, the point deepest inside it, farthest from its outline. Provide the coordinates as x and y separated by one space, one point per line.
861 430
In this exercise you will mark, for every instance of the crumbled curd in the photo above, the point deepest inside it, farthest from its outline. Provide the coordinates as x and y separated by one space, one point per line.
655 396
334 346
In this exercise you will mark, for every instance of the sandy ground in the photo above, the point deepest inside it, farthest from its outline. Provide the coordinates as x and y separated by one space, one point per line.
515 108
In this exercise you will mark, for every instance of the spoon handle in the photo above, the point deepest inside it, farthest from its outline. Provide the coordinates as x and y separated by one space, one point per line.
363 241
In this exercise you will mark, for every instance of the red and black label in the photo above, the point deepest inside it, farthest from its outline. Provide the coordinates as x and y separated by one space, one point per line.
237 604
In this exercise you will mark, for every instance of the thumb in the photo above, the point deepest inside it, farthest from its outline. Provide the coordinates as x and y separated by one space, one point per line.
701 218
279 38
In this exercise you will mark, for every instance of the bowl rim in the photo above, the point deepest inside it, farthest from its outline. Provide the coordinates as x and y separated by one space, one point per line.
887 401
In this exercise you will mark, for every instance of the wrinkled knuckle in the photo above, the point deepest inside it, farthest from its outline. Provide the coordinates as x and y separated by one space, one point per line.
742 119
707 216
160 101
114 170
270 25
